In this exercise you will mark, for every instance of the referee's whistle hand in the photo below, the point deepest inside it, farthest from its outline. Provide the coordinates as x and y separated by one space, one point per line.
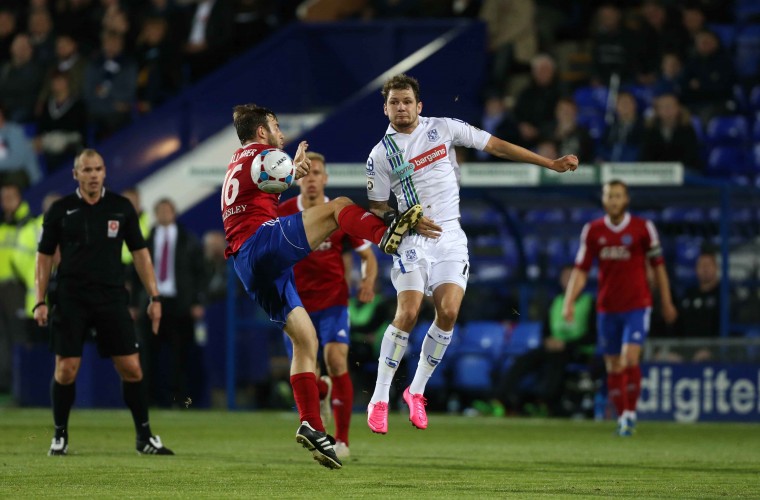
154 313
41 315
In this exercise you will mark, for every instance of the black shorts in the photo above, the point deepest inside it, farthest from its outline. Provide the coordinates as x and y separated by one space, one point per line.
77 312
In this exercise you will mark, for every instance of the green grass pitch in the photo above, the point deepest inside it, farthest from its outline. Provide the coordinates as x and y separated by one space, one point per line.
254 454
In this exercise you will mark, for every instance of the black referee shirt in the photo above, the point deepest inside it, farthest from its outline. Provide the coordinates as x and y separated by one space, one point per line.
91 238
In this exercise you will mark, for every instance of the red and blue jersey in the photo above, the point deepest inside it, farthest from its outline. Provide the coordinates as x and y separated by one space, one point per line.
622 251
321 277
244 206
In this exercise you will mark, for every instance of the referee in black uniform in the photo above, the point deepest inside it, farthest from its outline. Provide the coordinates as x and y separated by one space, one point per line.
89 227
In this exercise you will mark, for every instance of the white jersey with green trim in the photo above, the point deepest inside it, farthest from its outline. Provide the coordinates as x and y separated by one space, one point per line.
421 167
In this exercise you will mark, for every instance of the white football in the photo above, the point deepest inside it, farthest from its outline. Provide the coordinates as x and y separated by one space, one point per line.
273 171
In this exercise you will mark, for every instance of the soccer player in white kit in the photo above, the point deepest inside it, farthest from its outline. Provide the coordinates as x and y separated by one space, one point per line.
416 160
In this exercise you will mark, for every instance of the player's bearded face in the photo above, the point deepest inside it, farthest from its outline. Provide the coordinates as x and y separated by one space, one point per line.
402 108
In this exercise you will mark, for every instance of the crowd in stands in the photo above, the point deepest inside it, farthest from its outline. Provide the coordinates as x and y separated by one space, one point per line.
637 80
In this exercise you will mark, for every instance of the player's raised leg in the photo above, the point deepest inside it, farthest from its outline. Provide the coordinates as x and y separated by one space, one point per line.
448 299
321 220
311 434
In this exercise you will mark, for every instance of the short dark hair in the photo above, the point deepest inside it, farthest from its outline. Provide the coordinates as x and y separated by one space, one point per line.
401 82
617 182
249 117
165 201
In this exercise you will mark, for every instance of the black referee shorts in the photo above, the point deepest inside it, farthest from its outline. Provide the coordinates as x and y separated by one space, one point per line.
75 313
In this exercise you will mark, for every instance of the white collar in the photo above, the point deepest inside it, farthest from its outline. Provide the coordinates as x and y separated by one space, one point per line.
620 227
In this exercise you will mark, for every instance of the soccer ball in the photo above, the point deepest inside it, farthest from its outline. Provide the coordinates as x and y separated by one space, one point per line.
273 171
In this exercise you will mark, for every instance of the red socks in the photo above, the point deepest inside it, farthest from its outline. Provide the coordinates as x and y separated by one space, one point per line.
616 391
632 386
342 404
356 221
322 387
306 394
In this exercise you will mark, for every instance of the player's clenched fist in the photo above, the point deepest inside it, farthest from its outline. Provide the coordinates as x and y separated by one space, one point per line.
567 162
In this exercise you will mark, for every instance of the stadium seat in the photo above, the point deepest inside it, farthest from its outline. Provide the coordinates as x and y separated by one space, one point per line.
525 335
754 101
726 33
591 100
473 373
731 130
756 158
644 95
756 127
687 251
582 215
747 10
595 125
725 161
557 256
545 215
483 337
747 58
683 214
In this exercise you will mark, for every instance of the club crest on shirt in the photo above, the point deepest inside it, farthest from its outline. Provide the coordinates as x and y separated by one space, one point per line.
113 228
432 135
411 255
627 239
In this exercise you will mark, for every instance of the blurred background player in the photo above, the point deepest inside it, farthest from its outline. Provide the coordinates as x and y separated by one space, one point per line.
264 249
322 286
622 243
415 159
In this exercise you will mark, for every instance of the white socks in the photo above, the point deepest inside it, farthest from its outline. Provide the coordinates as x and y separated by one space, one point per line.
392 349
433 348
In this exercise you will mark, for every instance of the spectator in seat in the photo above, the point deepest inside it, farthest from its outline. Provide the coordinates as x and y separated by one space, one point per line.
699 314
110 87
208 36
708 78
660 33
20 81
671 75
41 35
562 344
693 20
158 77
18 163
7 33
67 61
62 124
567 134
534 107
614 47
669 135
622 141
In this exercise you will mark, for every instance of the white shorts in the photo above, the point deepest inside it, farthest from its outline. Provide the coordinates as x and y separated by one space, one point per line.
424 263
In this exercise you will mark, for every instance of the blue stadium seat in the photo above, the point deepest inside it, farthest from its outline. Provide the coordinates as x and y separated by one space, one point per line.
746 10
732 130
726 34
525 335
687 251
754 101
683 214
557 256
473 373
545 215
582 215
726 160
573 245
591 100
747 56
483 337
644 95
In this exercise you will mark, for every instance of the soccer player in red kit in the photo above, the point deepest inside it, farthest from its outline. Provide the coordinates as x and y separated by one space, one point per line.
264 249
622 243
321 284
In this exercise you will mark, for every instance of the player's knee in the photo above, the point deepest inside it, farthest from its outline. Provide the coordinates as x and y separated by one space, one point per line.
66 372
340 203
405 319
446 317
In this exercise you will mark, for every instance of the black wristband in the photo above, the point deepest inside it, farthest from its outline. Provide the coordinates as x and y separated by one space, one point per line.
38 304
155 298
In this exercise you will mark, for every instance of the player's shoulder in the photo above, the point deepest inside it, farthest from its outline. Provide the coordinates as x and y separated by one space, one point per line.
640 221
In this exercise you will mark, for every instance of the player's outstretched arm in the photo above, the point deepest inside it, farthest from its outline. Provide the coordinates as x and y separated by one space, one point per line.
508 151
